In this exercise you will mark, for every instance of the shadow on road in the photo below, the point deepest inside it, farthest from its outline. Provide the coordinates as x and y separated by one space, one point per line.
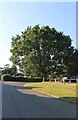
19 87
23 102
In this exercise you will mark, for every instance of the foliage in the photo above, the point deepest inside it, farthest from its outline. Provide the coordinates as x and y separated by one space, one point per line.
43 51
9 70
19 74
5 77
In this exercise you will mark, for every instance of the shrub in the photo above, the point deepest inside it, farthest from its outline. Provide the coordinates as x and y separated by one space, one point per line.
34 80
5 77
19 74
20 78
0 77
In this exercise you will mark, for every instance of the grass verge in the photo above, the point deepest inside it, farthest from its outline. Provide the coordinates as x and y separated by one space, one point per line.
66 91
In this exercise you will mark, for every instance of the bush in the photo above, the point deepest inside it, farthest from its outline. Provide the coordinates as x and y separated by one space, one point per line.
0 77
5 77
34 80
19 74
19 79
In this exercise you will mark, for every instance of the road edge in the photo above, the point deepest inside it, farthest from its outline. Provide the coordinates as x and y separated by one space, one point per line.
56 97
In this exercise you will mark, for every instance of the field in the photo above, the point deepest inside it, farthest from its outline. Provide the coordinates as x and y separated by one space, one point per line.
66 91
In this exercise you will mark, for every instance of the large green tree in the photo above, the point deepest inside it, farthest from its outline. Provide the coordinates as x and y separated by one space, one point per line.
42 51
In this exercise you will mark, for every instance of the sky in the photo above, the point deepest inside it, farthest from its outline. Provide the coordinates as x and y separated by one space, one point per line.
16 16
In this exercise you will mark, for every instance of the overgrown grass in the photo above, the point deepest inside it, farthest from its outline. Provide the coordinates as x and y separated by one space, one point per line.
67 91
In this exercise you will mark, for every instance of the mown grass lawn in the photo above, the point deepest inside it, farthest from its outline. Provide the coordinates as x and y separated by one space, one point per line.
67 91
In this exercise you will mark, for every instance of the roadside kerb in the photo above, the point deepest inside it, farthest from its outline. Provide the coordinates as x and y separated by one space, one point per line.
56 97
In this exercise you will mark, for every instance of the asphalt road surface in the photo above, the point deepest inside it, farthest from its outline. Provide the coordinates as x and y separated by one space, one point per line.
0 100
22 102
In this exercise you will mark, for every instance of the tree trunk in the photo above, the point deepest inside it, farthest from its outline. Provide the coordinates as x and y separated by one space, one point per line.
44 78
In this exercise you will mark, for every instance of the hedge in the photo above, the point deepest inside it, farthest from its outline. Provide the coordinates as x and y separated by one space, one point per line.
7 77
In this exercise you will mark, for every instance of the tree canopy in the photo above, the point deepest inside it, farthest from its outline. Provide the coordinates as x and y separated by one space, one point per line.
7 69
43 52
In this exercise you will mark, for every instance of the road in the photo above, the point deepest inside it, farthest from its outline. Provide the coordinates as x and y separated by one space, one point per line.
0 101
22 102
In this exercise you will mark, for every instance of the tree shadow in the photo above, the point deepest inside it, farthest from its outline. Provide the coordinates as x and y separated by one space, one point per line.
71 99
18 87
21 86
26 103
